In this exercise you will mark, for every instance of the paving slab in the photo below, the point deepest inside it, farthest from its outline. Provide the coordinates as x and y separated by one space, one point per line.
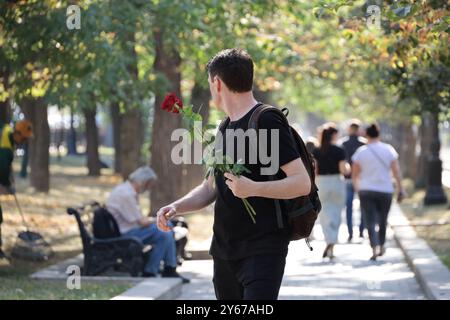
350 276
153 289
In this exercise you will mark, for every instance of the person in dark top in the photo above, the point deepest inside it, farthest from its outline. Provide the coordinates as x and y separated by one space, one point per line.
249 257
330 164
351 143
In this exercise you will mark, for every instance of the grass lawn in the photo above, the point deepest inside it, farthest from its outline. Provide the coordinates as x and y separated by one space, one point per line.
438 237
21 288
46 214
16 284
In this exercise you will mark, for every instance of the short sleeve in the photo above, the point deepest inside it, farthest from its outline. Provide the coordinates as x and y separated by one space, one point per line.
287 148
393 152
340 154
356 155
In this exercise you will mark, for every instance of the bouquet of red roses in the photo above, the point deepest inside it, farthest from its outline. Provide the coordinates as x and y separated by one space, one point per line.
173 104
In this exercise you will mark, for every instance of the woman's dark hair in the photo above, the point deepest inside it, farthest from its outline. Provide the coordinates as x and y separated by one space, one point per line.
373 131
234 67
328 130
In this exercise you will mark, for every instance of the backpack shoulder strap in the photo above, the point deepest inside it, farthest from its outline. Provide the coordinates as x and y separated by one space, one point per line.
224 124
253 122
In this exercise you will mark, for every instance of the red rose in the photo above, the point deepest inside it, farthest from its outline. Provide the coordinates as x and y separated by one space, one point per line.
170 101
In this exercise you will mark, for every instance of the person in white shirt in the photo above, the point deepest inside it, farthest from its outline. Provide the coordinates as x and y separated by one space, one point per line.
372 167
123 204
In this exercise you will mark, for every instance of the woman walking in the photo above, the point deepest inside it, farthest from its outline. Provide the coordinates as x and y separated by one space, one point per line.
372 167
330 168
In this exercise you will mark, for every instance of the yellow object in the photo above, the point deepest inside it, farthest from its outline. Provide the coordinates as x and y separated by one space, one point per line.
5 142
25 128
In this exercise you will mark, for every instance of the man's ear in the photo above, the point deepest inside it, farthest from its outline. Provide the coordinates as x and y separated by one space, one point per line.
219 83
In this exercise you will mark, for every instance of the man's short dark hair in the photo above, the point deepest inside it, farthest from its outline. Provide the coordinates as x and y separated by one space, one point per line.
234 67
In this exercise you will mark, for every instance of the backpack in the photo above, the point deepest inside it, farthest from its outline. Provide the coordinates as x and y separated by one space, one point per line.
104 226
302 212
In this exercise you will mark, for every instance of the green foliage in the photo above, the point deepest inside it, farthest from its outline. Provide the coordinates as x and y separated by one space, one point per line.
315 55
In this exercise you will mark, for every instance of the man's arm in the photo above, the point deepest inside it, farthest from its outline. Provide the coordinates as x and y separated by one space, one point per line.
196 199
297 183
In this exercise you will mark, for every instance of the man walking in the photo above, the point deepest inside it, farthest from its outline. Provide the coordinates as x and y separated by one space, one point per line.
351 143
249 257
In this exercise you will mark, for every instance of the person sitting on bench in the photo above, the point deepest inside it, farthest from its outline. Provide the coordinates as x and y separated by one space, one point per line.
123 204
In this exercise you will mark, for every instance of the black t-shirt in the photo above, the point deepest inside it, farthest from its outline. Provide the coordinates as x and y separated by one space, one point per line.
350 144
235 234
328 162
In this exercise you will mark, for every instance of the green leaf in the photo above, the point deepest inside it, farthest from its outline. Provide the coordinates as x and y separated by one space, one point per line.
210 126
318 12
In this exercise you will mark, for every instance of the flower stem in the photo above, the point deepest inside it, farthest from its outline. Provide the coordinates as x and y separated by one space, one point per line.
249 209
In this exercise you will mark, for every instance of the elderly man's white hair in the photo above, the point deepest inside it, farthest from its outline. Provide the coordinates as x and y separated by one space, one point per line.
142 175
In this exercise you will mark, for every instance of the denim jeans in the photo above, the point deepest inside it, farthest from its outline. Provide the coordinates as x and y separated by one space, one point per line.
163 247
350 193
375 207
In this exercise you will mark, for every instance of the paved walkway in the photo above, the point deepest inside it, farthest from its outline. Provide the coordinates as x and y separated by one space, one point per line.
307 276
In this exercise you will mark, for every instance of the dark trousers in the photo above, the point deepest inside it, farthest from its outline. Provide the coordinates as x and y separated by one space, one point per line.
253 278
375 207
350 193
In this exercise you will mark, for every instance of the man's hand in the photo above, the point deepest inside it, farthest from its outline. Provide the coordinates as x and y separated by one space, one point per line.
164 215
241 187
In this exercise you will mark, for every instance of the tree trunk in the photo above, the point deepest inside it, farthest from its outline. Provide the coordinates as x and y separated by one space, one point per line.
425 141
130 156
116 118
5 107
194 174
5 112
405 143
72 136
35 110
169 188
93 158
434 191
131 122
410 143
